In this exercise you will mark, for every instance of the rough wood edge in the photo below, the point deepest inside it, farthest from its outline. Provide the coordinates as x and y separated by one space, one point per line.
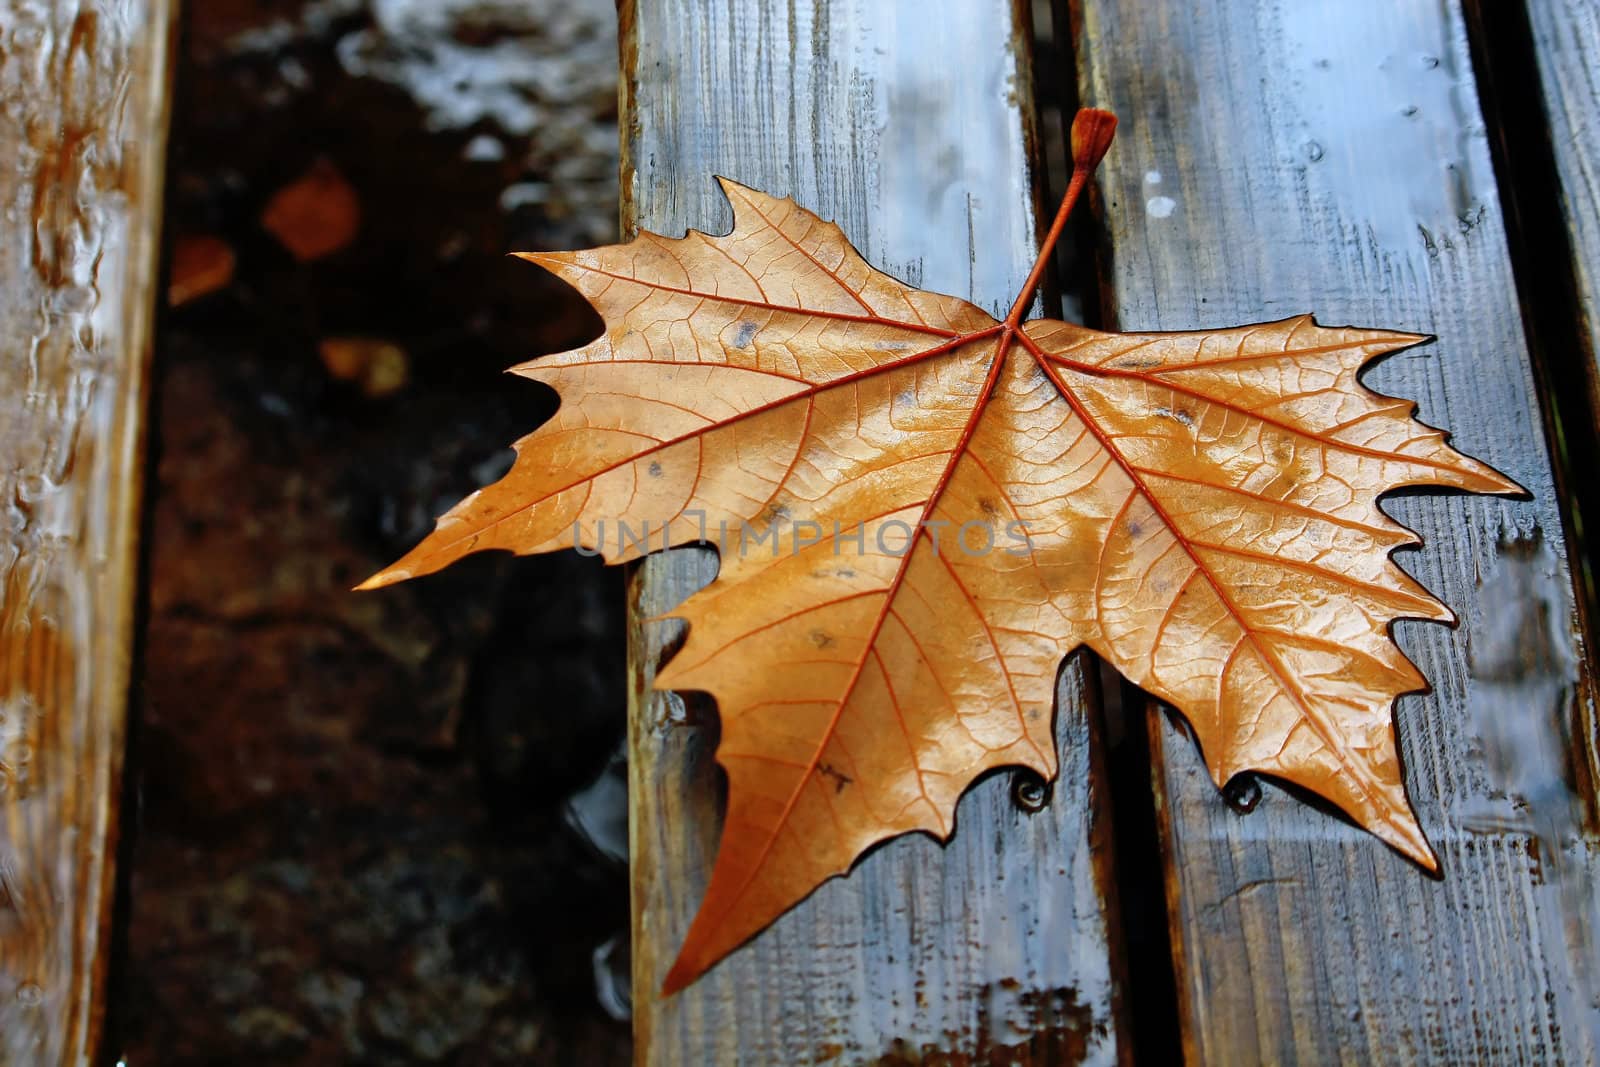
87 675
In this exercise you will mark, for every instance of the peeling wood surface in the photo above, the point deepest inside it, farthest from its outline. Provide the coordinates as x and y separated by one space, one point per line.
84 89
1278 157
997 945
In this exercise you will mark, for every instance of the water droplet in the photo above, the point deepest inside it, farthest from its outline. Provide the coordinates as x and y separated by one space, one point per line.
599 811
1160 206
29 995
1029 792
524 194
484 148
1152 177
1430 62
613 978
1242 793
1409 111
1314 151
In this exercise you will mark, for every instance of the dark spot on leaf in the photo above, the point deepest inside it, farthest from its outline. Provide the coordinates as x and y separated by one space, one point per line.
821 638
988 507
747 331
840 779
1178 415
655 469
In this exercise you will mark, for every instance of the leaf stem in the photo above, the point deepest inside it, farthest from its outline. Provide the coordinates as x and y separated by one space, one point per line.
1092 131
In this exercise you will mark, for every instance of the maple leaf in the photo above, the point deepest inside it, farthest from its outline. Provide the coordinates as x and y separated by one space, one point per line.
1198 508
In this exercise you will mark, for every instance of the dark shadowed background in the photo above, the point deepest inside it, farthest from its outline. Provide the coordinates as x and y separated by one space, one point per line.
373 827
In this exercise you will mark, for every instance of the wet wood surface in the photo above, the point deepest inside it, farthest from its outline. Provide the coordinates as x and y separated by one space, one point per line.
1278 157
84 89
1566 44
996 947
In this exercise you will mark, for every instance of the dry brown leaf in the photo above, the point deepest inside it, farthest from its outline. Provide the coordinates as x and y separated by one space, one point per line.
201 265
379 367
315 215
1199 508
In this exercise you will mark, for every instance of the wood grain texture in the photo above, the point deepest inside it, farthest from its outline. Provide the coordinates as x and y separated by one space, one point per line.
84 87
1279 157
1566 41
915 134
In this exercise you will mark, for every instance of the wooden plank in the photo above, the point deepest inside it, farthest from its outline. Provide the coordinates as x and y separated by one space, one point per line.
1566 45
915 134
84 89
1279 157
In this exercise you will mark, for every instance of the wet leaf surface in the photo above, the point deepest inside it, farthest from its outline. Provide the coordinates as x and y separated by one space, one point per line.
1199 508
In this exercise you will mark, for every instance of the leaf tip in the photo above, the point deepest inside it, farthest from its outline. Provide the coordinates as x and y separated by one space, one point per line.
736 191
1507 486
1424 855
731 185
1476 476
1403 833
666 679
680 976
387 576
550 261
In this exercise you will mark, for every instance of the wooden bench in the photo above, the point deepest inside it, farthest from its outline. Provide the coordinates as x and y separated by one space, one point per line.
1333 157
1275 157
85 88
862 112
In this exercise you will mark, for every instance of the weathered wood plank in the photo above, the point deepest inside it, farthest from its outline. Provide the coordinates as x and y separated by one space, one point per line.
1566 43
1278 157
915 133
84 88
